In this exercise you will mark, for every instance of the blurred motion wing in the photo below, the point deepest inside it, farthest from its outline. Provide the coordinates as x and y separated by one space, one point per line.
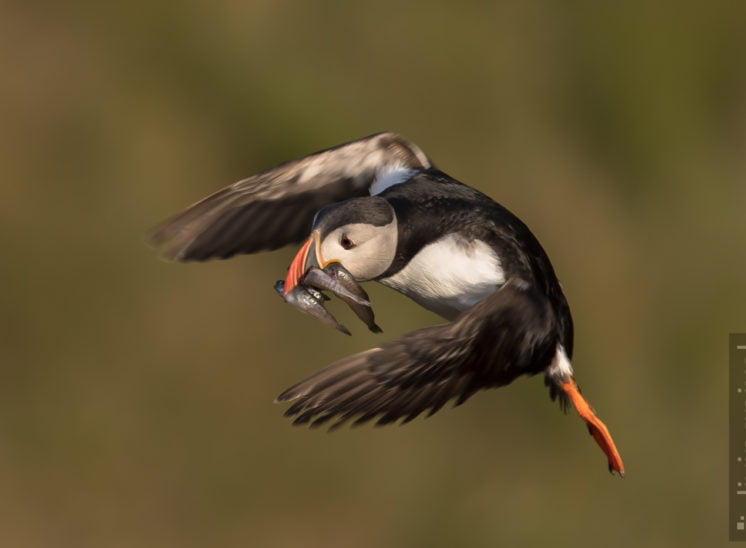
484 347
276 207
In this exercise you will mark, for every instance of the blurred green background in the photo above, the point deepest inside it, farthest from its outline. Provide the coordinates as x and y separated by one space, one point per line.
136 395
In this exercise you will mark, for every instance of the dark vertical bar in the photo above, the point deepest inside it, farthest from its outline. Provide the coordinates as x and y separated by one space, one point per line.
737 426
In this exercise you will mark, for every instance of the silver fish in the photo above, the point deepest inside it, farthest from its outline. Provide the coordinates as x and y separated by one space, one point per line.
360 303
310 301
307 296
327 279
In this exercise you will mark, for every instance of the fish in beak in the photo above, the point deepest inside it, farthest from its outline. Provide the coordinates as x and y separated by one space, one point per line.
310 301
358 299
309 274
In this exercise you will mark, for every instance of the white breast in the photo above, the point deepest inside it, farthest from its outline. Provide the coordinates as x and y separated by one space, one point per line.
450 275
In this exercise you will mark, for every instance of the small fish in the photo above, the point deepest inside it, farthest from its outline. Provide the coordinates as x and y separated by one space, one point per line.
326 279
360 305
280 288
311 302
308 297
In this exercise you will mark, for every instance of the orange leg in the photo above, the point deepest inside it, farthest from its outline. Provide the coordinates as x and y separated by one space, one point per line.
597 428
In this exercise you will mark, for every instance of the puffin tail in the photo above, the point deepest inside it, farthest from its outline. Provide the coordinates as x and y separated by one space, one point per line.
557 394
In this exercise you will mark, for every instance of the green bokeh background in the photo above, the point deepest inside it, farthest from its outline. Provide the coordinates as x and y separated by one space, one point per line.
136 395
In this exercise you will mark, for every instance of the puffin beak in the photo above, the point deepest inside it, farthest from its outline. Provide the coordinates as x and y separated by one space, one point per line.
306 258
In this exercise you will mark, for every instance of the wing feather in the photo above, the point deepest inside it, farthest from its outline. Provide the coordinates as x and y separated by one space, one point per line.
276 207
509 333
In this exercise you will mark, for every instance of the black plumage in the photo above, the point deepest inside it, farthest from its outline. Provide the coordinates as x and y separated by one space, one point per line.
446 245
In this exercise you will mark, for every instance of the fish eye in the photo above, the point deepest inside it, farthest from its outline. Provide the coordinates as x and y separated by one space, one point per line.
346 243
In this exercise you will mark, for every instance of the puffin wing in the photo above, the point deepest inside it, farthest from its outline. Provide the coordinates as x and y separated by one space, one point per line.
489 344
276 207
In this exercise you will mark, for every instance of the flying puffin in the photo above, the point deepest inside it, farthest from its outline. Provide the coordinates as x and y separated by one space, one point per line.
379 210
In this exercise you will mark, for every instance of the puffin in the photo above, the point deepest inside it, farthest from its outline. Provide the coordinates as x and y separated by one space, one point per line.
377 209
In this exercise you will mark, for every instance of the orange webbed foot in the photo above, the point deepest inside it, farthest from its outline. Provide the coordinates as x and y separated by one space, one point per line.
595 426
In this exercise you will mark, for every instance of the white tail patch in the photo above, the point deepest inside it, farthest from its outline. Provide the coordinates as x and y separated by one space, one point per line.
561 367
389 176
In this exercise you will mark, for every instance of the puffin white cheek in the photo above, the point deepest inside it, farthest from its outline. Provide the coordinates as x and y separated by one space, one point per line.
367 261
330 252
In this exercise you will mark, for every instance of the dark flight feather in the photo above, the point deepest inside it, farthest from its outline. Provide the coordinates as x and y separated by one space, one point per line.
507 334
276 207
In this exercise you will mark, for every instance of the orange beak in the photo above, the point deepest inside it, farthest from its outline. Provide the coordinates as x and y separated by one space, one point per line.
304 259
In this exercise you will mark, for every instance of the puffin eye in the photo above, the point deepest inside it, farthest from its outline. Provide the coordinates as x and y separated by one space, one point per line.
346 243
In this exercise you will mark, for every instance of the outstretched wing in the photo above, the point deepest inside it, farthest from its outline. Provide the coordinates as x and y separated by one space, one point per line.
276 207
510 333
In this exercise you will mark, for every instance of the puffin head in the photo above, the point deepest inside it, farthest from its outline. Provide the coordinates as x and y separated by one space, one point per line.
360 234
